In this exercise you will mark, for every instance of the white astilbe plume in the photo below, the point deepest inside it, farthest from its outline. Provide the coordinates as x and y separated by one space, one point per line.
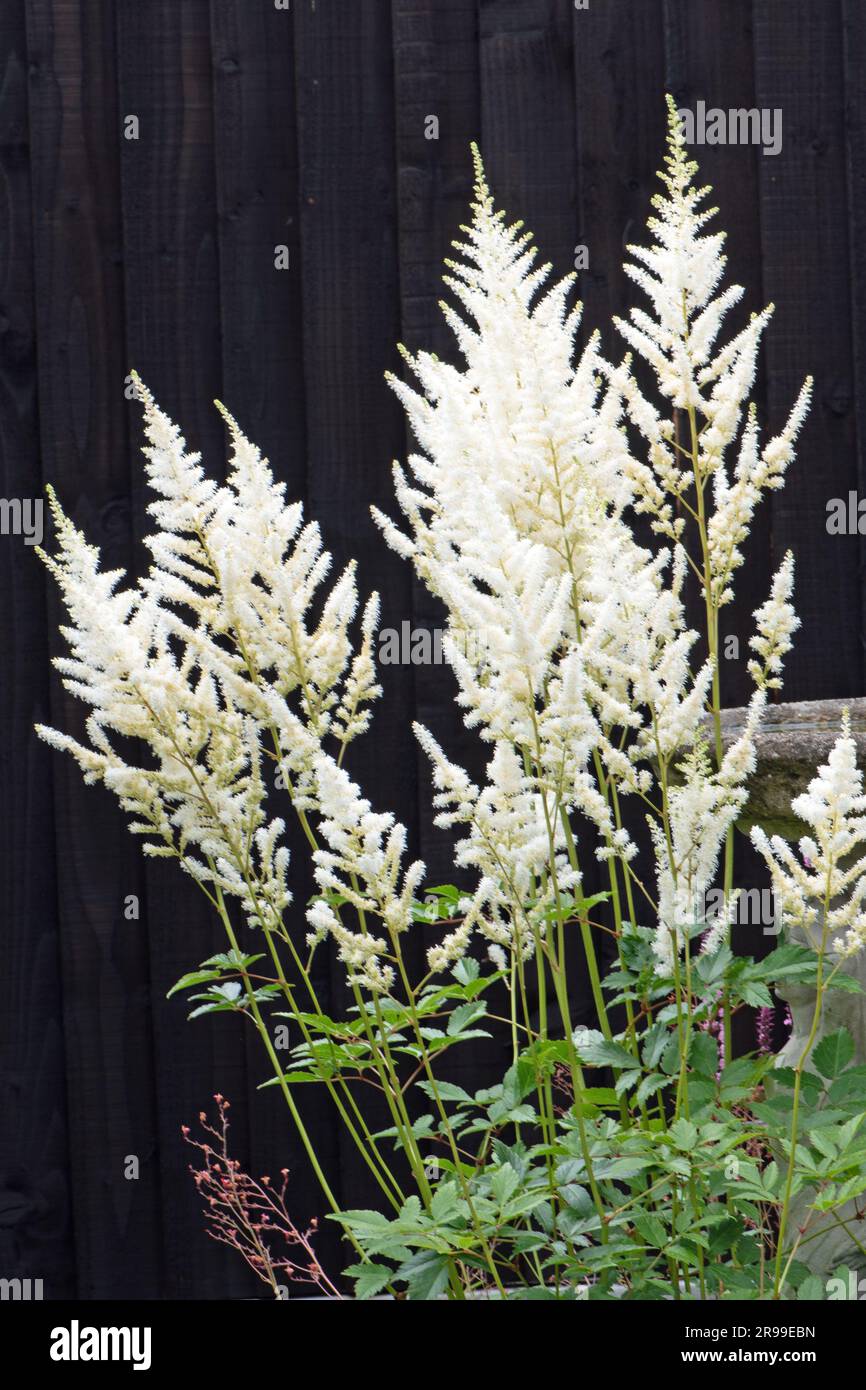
702 808
776 622
200 796
516 521
507 842
681 273
215 662
756 471
239 576
824 892
362 862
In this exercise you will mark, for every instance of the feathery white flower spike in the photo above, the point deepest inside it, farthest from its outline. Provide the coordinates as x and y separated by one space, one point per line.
215 663
831 871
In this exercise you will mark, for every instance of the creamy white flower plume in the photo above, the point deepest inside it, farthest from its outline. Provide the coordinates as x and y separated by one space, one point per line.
824 891
215 664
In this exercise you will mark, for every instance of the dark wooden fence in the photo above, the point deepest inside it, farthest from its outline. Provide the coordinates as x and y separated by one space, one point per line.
305 127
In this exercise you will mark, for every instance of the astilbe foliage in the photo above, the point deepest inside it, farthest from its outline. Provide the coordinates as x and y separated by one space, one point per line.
238 659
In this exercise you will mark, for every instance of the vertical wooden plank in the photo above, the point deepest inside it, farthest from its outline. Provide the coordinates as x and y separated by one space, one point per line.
173 340
619 83
806 272
256 162
436 74
710 57
79 317
619 73
35 1226
528 136
350 294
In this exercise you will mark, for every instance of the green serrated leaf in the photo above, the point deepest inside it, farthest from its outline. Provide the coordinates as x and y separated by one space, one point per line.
504 1183
426 1275
812 1289
684 1134
446 1090
195 977
370 1279
464 1015
625 1081
704 1054
833 1053
651 1228
597 1051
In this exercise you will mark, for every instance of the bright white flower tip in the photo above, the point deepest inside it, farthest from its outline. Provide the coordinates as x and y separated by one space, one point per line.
360 951
322 919
679 273
854 940
837 790
351 718
451 949
780 450
361 954
456 794
776 622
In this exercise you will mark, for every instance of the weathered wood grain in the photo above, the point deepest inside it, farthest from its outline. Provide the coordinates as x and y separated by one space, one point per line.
79 318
